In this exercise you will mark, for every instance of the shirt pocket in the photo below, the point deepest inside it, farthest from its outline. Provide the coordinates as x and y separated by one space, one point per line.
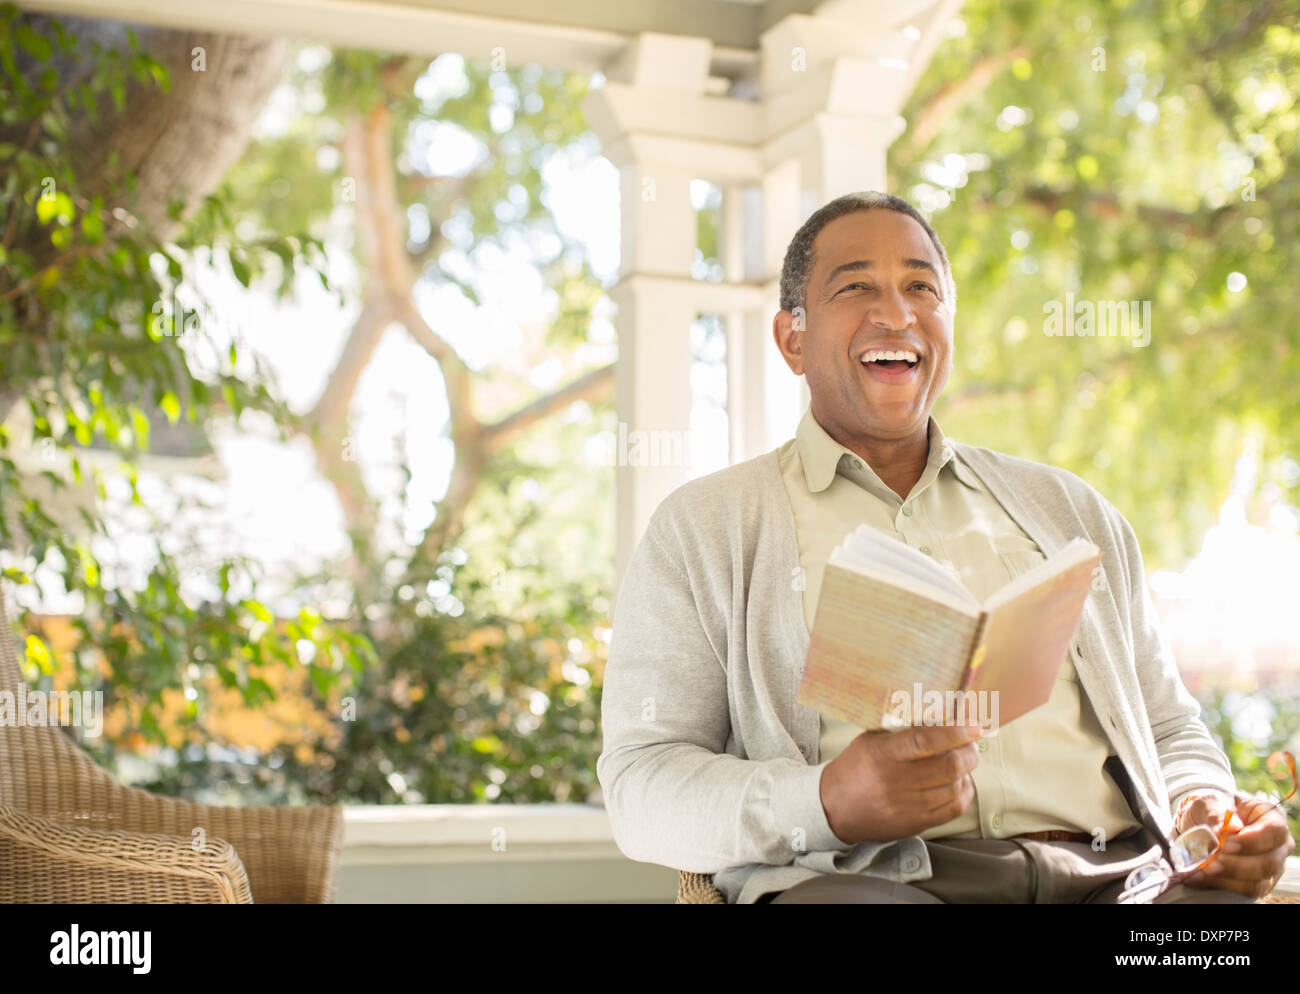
1019 555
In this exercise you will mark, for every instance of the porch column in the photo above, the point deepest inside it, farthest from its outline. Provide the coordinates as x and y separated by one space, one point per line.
662 128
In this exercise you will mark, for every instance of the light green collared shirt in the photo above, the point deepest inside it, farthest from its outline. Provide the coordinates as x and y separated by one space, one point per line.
1043 771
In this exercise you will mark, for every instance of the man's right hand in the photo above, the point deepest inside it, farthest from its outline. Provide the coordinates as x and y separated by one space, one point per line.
891 785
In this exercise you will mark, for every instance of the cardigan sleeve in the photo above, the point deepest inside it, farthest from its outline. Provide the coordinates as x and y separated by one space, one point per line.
673 795
1189 758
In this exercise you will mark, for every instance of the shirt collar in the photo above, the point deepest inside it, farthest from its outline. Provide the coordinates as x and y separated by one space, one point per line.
822 457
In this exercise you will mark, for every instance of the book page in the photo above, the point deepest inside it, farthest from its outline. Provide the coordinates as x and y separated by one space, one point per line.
872 640
1027 637
870 551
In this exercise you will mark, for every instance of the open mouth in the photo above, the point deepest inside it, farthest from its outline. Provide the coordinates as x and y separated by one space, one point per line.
891 362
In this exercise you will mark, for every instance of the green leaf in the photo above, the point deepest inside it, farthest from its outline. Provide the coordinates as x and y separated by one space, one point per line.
259 611
38 653
37 45
171 406
241 270
161 76
258 691
92 228
140 424
46 209
321 679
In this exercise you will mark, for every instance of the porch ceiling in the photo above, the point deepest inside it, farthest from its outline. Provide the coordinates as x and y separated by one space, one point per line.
580 35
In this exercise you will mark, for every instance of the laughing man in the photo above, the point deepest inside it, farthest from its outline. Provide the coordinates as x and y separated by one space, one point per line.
711 765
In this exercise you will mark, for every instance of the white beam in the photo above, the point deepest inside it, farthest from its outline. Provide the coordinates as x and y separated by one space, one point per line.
568 34
655 110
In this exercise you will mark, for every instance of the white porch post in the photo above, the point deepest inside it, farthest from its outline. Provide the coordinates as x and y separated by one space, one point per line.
662 130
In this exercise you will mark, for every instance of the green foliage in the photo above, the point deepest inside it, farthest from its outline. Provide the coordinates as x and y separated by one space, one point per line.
1157 156
1228 714
91 351
492 663
473 638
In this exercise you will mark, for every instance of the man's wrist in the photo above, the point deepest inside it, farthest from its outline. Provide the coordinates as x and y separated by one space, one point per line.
828 794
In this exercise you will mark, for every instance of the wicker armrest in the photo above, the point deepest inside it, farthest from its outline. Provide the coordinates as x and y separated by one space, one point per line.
697 888
290 853
48 862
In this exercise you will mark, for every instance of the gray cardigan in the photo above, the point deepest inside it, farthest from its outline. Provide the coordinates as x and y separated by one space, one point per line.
709 764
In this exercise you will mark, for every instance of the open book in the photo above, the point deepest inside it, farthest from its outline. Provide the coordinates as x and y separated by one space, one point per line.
898 640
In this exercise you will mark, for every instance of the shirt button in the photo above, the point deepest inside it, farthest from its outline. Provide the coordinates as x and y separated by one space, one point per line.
857 463
907 510
911 864
983 745
997 821
925 549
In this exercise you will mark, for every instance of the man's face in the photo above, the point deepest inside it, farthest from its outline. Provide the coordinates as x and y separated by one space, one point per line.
875 287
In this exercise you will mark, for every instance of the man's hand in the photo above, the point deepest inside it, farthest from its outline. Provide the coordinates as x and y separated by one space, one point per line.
1254 854
889 785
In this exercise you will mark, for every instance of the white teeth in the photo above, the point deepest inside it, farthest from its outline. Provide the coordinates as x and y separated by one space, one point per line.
878 354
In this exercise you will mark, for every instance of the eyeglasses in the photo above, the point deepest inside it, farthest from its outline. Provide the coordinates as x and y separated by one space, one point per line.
1195 849
1192 850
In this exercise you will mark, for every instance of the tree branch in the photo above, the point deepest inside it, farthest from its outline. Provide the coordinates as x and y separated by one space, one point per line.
950 98
1241 32
1202 224
594 386
455 373
365 336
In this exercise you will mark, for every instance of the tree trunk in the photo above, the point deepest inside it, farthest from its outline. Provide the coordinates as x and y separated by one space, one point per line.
178 144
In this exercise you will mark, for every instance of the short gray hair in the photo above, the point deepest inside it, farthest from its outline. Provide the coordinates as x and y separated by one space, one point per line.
798 265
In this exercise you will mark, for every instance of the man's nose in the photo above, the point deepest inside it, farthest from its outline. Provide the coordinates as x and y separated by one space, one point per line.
890 311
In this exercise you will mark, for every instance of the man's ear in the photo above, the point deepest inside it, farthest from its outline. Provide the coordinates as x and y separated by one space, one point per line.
788 329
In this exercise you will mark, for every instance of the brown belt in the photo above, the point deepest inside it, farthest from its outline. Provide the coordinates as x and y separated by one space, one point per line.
1059 835
1055 835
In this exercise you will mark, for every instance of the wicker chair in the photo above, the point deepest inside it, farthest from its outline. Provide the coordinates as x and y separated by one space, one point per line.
697 888
70 833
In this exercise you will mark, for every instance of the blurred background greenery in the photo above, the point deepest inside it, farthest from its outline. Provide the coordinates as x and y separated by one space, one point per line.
1132 151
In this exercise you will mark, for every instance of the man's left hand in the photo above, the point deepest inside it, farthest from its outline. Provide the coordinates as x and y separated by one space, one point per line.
1254 855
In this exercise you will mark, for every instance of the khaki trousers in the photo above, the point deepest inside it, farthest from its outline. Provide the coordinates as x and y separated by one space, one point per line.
1007 871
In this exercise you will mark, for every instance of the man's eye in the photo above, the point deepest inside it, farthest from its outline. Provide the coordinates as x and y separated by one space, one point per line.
854 286
926 286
